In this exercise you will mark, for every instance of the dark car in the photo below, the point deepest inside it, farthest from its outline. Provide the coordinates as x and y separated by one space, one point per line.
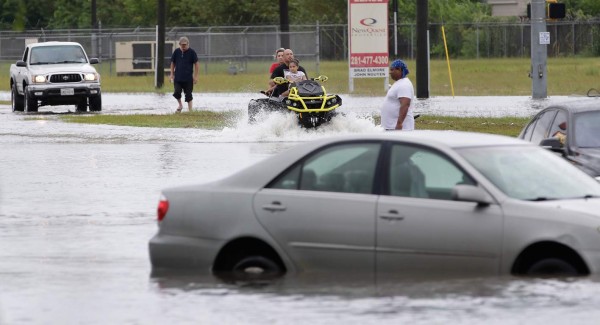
571 129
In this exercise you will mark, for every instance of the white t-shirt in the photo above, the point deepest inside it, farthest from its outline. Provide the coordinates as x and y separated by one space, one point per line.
390 109
294 77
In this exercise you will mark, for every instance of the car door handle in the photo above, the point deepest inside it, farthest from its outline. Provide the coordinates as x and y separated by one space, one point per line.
392 215
275 206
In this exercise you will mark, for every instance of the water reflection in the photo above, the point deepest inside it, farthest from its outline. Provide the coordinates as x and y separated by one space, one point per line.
495 300
166 156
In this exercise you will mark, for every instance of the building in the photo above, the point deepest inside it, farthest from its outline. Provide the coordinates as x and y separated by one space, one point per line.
516 8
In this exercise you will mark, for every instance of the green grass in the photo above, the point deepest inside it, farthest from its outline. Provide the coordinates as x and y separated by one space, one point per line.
483 77
510 126
198 120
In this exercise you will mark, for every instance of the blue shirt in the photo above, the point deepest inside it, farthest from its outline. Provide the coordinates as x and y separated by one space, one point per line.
184 64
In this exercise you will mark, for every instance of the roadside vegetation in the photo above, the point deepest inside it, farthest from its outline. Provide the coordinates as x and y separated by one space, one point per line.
510 126
34 14
197 119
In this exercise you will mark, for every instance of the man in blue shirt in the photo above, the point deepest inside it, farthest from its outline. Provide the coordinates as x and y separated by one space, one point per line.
184 72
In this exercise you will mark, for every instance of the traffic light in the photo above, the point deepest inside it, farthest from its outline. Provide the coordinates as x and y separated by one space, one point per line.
555 10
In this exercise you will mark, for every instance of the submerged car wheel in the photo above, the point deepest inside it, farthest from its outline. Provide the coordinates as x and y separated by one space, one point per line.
82 106
31 103
16 100
552 267
256 267
96 103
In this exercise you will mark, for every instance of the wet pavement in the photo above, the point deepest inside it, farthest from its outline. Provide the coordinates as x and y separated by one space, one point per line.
77 208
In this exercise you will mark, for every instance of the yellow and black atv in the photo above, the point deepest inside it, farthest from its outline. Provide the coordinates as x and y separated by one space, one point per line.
308 99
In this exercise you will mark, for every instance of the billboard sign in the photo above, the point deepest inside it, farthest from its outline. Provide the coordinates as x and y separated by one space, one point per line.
368 43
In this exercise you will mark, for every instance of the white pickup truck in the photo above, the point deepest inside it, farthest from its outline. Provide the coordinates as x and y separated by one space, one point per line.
55 73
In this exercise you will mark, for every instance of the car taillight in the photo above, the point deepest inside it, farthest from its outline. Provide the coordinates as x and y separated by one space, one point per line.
163 208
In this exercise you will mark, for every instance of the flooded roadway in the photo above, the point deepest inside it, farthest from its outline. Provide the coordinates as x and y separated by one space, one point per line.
77 208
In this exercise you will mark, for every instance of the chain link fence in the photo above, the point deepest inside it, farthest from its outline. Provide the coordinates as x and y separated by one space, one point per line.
234 48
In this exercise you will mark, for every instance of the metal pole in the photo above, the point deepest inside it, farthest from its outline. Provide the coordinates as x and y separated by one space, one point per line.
521 52
94 30
477 37
349 33
539 54
159 55
99 41
395 28
412 41
422 50
317 47
284 22
573 36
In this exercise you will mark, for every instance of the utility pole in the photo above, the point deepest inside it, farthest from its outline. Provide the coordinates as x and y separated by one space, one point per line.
160 43
539 55
94 30
94 16
284 22
422 49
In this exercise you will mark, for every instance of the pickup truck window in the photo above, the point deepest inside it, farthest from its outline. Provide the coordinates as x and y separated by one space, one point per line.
25 54
57 55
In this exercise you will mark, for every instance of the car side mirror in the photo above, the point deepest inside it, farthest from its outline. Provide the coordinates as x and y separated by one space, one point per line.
94 61
552 144
471 193
21 63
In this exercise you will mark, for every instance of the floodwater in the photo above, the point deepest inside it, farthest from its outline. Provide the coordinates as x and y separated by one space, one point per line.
77 208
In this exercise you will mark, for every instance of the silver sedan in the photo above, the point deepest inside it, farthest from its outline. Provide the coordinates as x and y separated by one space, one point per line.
396 203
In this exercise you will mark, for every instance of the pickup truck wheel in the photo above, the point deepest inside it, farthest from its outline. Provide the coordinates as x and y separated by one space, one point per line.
31 104
96 103
16 100
82 106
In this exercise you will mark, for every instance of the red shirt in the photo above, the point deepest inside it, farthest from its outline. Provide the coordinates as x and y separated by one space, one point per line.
273 66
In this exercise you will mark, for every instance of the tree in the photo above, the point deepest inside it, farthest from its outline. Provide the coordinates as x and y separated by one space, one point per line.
582 9
35 14
20 15
325 12
71 14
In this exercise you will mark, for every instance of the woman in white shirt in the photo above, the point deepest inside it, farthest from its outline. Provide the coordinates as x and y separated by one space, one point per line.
398 106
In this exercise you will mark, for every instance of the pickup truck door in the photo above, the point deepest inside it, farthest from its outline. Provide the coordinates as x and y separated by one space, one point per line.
20 73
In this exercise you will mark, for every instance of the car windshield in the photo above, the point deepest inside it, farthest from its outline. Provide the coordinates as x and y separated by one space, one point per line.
57 55
531 173
587 129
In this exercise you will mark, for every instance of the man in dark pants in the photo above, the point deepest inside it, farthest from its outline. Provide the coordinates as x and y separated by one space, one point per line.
184 72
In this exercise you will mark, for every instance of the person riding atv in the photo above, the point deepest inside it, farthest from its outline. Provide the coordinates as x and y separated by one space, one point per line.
308 99
274 89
